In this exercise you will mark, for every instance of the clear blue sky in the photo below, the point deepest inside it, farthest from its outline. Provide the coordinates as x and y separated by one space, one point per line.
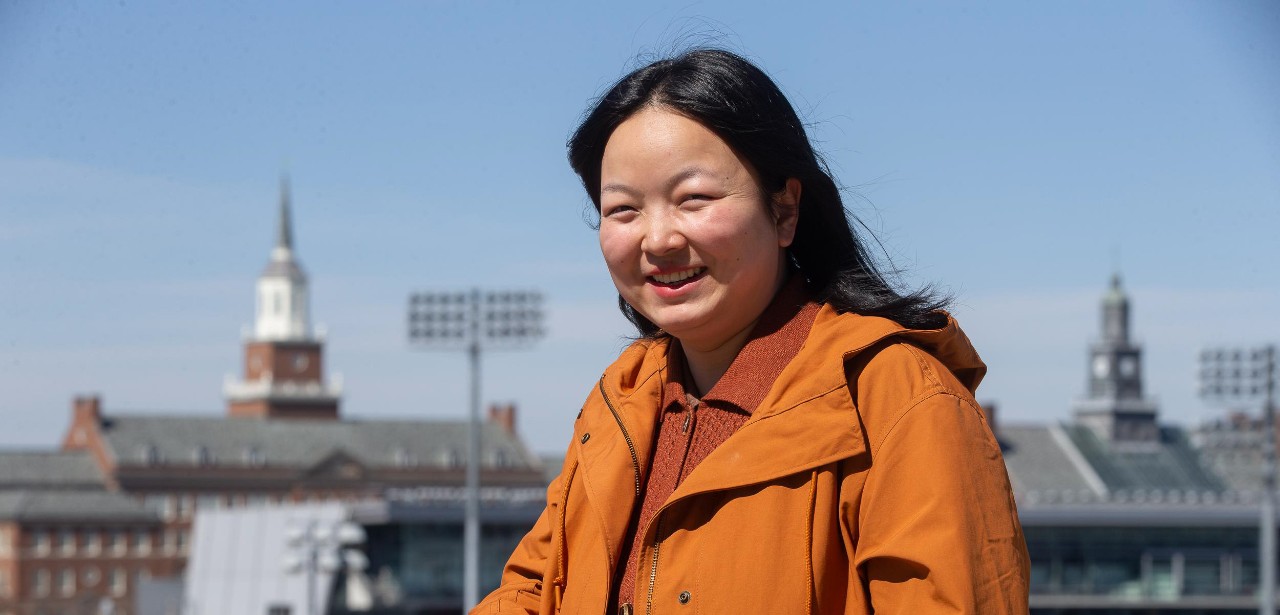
1013 152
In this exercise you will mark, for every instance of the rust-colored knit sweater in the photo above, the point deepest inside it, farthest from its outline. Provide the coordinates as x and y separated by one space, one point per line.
689 428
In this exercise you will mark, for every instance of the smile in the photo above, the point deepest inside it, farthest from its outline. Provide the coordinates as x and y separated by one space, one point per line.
677 277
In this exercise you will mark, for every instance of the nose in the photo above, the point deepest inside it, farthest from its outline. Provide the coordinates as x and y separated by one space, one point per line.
663 234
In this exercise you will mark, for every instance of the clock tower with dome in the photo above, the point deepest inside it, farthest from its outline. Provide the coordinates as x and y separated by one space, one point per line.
283 358
1115 408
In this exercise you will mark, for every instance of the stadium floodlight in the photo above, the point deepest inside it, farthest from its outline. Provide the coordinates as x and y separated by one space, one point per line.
474 321
1249 375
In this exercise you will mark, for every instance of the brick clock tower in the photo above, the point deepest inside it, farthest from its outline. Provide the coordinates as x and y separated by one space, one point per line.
283 359
1115 407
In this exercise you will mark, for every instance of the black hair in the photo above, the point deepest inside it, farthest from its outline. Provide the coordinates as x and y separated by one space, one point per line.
742 105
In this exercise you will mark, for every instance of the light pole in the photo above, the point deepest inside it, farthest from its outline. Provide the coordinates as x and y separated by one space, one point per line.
317 546
474 321
1250 375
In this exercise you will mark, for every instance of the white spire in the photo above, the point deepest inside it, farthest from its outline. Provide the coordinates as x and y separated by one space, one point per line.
282 309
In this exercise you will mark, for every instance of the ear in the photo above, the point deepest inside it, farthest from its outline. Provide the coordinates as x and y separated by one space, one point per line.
786 211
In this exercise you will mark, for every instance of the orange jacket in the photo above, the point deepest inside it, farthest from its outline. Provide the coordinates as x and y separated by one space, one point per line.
866 481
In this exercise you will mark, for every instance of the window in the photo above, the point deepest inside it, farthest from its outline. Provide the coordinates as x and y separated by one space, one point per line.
181 542
403 458
66 542
202 456
501 459
149 455
116 542
255 457
182 506
170 540
119 582
142 542
67 581
40 542
450 458
279 609
40 583
92 542
91 576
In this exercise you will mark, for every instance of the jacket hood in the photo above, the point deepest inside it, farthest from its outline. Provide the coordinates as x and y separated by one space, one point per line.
854 333
950 346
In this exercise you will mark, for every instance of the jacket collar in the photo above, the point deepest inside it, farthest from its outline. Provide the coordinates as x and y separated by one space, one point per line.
808 418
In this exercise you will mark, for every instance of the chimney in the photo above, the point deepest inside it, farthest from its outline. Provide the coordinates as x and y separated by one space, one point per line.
86 419
86 408
503 415
989 413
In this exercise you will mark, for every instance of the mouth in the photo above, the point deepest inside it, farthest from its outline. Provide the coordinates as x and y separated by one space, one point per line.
677 278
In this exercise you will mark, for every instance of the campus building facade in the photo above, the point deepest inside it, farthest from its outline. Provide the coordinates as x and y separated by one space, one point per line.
82 527
1124 515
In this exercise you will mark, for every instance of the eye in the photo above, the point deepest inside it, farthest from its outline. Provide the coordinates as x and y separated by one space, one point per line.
612 211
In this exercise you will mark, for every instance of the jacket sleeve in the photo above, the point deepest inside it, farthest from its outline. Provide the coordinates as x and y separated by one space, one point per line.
938 530
521 590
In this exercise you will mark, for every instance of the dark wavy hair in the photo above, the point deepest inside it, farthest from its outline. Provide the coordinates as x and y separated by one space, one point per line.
741 104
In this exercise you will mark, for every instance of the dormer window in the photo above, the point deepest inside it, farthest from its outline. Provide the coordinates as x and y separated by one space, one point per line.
402 458
149 455
450 458
501 458
255 457
202 456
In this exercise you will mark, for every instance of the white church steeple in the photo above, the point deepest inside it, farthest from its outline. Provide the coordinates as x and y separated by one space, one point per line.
282 308
283 361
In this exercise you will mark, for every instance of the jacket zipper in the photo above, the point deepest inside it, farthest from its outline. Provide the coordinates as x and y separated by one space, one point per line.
653 568
635 459
635 464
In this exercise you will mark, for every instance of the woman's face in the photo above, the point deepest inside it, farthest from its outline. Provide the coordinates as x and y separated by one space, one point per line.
691 240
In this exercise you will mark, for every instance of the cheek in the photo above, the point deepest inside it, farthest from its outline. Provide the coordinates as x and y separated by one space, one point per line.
734 236
616 249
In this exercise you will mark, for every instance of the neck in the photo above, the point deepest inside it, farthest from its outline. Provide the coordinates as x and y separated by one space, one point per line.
706 365
707 362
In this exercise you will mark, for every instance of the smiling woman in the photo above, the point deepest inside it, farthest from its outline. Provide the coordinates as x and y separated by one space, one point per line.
690 238
790 433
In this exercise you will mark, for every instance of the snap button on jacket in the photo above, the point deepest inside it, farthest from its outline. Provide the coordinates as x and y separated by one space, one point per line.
867 481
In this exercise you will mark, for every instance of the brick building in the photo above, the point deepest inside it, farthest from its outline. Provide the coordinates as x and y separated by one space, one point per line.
80 526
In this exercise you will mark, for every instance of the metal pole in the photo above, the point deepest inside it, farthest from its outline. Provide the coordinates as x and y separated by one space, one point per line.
471 528
312 564
1267 533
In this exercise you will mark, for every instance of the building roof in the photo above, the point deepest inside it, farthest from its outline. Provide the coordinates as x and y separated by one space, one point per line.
1068 464
72 505
1037 461
1169 464
173 440
48 469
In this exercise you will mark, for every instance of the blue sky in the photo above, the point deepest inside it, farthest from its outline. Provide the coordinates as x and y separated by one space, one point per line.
1014 153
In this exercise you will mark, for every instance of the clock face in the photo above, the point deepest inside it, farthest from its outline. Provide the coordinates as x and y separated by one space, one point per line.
1128 367
1101 365
300 362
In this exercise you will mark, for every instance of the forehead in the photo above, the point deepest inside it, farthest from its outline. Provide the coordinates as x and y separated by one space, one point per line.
656 143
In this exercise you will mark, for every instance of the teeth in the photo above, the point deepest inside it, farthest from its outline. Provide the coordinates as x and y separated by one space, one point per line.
672 278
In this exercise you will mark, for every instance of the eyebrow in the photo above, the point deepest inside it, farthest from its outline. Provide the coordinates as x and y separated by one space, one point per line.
688 172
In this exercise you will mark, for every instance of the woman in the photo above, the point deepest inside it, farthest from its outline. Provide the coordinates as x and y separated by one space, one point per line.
789 434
